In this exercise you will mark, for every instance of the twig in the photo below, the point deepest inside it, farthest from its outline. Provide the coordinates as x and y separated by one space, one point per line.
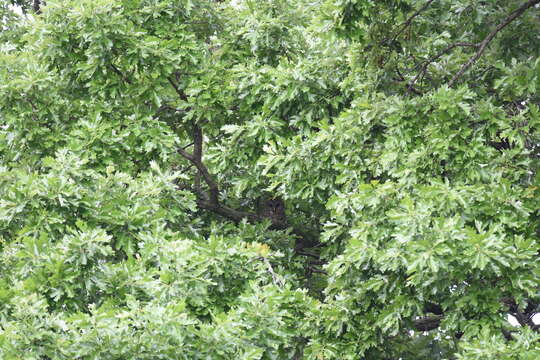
304 253
275 278
436 57
34 108
482 46
163 108
408 22
119 73
319 271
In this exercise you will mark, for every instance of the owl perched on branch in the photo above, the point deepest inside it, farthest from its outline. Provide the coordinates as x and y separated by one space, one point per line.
273 208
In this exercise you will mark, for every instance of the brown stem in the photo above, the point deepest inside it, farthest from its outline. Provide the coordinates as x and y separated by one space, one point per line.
211 201
305 253
422 72
229 213
482 46
180 93
119 73
408 22
318 271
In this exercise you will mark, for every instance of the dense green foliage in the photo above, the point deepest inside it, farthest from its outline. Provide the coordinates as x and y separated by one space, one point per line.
272 179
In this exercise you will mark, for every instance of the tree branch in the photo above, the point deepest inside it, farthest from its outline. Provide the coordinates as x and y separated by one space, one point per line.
196 159
318 271
433 308
410 88
482 46
427 323
275 278
119 73
408 22
164 108
524 317
229 213
180 93
211 201
507 334
305 253
36 6
422 72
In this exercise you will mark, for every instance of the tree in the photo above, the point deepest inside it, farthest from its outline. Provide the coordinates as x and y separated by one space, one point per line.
339 179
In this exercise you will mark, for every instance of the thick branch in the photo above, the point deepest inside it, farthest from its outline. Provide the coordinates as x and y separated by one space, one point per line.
482 46
524 317
196 159
427 323
433 308
36 6
180 93
164 108
211 201
227 212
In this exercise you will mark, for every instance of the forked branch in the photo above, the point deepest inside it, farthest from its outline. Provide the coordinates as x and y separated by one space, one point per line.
436 57
482 45
210 200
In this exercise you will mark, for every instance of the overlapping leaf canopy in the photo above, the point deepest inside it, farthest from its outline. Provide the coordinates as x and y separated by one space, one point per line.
337 179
